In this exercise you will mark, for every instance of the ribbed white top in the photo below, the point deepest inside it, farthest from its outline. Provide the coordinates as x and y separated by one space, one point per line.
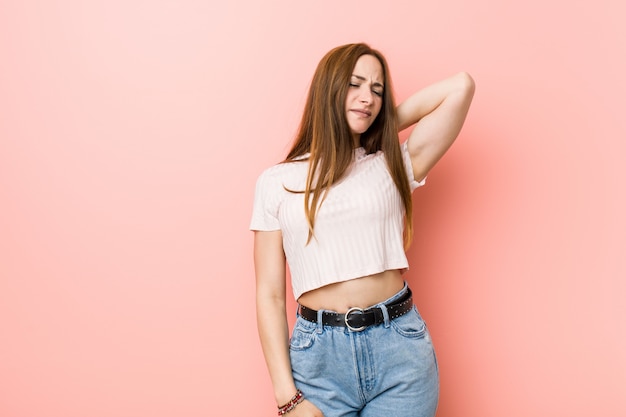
358 229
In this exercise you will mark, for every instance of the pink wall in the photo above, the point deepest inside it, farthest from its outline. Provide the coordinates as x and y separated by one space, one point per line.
131 134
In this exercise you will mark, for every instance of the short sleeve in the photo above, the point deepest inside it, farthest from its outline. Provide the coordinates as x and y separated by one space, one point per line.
265 207
406 157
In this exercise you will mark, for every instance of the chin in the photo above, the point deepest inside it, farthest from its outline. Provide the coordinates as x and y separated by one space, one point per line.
359 131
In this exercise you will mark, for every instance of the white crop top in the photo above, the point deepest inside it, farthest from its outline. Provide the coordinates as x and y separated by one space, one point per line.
358 228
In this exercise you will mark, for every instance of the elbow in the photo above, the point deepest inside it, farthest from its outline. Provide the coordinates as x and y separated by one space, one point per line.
466 83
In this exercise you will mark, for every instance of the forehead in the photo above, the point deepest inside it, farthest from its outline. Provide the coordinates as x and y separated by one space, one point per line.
369 67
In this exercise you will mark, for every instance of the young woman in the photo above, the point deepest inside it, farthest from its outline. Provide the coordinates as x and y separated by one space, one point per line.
337 211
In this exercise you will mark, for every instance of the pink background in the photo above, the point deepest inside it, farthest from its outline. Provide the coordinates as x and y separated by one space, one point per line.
131 135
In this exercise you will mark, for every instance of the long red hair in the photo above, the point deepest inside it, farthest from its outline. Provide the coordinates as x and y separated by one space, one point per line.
325 135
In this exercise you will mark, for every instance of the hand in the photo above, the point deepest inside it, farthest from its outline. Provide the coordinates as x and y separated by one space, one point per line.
305 409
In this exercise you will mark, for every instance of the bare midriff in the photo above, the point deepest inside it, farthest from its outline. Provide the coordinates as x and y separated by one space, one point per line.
359 292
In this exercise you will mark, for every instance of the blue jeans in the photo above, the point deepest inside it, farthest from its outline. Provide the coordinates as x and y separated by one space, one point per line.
389 370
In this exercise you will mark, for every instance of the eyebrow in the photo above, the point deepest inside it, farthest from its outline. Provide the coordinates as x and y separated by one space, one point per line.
375 84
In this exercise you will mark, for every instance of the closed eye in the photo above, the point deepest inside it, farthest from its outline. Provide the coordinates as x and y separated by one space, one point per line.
379 93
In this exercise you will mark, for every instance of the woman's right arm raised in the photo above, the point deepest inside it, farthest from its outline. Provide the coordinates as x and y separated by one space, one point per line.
269 265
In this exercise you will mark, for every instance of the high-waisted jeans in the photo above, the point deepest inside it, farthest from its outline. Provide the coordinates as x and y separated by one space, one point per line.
388 370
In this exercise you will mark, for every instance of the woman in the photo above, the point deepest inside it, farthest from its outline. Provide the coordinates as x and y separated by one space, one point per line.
334 211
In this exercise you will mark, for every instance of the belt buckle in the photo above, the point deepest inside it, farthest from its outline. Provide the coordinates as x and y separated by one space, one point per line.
347 316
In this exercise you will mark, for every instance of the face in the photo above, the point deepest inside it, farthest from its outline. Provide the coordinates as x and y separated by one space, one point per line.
365 94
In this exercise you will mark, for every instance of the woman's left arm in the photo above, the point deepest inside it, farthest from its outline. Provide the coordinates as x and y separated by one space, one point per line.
439 111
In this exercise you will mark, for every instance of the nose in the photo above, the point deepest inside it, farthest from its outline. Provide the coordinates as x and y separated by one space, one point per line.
365 96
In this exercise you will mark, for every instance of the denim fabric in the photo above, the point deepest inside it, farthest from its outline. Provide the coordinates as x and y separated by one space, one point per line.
387 370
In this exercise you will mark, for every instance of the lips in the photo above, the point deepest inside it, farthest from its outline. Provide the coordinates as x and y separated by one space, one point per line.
362 112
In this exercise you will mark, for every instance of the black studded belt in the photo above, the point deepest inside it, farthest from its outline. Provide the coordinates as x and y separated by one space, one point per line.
357 319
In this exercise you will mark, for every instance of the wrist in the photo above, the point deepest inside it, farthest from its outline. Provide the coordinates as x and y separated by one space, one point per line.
283 395
291 404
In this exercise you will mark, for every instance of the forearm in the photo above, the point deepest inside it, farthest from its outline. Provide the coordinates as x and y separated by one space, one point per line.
428 99
274 335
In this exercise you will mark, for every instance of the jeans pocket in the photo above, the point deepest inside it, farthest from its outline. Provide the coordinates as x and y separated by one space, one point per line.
302 337
410 325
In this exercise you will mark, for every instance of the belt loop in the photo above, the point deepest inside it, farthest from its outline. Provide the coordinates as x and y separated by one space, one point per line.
386 320
320 322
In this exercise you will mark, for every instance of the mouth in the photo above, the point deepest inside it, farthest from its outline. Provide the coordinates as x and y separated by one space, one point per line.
362 112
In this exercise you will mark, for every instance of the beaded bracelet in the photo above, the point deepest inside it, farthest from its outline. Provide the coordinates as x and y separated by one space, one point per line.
295 400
